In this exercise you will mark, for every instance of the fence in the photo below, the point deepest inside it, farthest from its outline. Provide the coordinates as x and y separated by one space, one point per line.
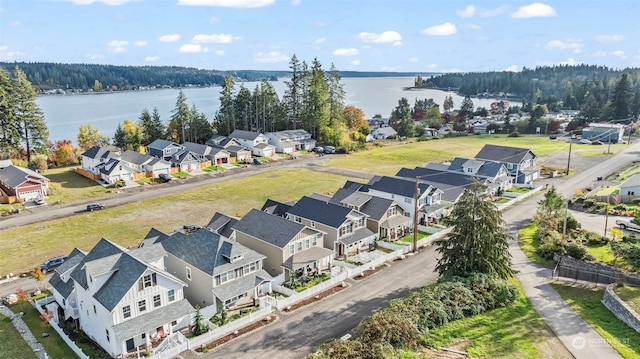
87 174
598 273
281 303
614 199
219 332
173 345
503 206
38 304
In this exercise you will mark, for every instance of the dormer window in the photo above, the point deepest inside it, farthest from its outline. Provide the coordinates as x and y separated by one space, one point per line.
147 281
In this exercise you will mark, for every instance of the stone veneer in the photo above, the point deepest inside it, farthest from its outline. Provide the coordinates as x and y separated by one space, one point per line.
620 309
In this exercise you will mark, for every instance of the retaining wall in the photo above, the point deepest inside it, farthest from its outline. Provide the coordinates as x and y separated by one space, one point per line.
620 309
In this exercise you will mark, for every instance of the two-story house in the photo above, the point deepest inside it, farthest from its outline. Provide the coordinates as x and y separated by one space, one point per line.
115 170
495 173
142 164
218 271
520 162
216 155
288 246
384 216
255 141
237 152
124 299
163 149
290 141
345 228
95 156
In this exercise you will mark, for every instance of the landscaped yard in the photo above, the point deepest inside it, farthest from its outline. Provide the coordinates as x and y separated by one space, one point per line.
12 345
586 301
308 282
516 331
631 296
126 225
528 245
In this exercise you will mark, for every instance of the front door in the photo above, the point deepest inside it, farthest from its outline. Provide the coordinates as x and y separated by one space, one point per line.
130 345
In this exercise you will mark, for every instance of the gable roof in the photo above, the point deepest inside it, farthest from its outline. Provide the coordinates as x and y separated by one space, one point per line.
222 224
162 144
100 152
14 176
112 165
275 207
126 270
330 214
376 207
451 184
398 185
289 134
631 181
245 135
104 248
269 228
75 257
136 158
504 153
197 148
184 156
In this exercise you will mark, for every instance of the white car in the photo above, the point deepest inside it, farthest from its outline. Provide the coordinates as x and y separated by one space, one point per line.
585 141
39 201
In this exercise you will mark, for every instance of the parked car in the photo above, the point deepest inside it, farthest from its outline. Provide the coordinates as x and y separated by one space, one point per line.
95 206
585 141
596 142
11 299
256 161
553 137
329 149
165 177
52 263
39 201
318 149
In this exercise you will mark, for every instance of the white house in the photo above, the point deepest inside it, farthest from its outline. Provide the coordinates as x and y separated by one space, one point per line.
115 170
249 139
291 140
96 156
383 133
123 300
631 187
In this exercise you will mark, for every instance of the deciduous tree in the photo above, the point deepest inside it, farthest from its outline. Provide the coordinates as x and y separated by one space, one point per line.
89 136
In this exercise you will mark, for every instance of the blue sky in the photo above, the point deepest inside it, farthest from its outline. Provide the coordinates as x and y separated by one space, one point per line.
357 35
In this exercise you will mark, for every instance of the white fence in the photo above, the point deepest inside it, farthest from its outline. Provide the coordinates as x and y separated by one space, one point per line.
503 206
170 347
38 304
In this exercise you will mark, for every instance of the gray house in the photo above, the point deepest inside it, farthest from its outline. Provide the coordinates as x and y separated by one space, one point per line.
520 162
163 149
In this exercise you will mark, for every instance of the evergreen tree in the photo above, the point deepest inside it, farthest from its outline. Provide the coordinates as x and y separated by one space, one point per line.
466 108
120 138
294 93
225 118
200 130
151 127
9 125
635 105
401 119
622 97
315 115
243 109
478 241
34 133
179 122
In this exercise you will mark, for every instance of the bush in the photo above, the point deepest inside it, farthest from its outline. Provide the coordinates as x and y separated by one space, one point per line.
386 327
621 207
593 238
546 250
515 134
575 250
636 201
588 203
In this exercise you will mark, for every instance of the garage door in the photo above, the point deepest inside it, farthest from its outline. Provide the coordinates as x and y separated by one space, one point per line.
29 195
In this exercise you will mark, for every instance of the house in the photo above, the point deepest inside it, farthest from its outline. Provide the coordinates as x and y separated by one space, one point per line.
237 153
264 150
290 141
141 163
604 132
520 162
115 171
163 149
249 139
119 300
185 161
383 133
630 187
216 155
95 156
22 183
403 191
495 173
345 229
385 216
219 272
289 247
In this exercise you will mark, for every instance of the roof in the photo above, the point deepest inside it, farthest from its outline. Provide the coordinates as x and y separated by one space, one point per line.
275 207
631 181
241 285
356 199
5 163
112 165
504 153
14 176
451 184
184 156
208 251
99 152
400 186
152 320
222 224
245 135
358 235
125 269
384 131
62 287
263 146
289 134
102 249
330 214
306 257
269 228
377 207
162 144
75 257
135 157
484 168
202 150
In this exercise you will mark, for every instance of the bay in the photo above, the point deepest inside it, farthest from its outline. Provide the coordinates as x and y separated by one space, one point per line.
65 113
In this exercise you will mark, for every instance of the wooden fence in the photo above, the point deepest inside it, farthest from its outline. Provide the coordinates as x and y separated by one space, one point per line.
598 273
87 174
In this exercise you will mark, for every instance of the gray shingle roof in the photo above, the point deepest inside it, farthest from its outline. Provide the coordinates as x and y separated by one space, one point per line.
376 207
269 228
75 257
202 150
64 288
401 186
136 158
332 215
153 319
222 224
306 257
244 135
126 272
160 144
14 176
451 184
241 285
102 249
275 207
504 153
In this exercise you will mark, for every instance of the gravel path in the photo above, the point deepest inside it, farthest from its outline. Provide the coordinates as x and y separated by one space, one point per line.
25 332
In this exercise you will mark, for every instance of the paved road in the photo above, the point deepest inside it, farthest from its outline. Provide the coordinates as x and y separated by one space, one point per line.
296 334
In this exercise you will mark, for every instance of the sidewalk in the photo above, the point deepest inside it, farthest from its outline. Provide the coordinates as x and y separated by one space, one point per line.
577 336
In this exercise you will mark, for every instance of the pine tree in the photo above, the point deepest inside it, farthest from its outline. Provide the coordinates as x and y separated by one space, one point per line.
151 127
294 93
622 97
176 131
34 133
9 125
225 118
478 241
315 114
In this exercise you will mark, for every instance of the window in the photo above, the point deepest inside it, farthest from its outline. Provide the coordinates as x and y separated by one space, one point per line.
147 281
156 301
171 294
313 224
144 335
126 311
306 243
408 200
299 246
142 305
391 211
188 273
94 309
298 219
107 331
314 241
292 249
174 323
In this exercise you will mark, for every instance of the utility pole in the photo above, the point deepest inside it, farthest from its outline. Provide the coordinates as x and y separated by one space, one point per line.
415 217
569 158
606 218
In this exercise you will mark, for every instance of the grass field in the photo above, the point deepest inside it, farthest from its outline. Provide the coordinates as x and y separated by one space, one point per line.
528 245
631 296
12 345
586 301
516 331
127 225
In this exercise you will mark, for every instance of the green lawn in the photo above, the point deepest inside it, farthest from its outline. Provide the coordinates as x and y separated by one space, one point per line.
631 295
12 345
516 331
586 301
528 245
67 186
127 225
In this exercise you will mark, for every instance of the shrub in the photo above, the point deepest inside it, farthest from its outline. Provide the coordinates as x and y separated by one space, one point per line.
621 207
387 327
588 203
636 201
515 134
546 250
576 250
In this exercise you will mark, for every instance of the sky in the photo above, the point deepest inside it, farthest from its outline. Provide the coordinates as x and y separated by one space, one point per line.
354 35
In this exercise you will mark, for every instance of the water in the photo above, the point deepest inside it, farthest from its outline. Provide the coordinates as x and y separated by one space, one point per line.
65 113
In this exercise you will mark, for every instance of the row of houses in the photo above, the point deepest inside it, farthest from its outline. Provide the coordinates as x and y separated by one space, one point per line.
111 165
127 299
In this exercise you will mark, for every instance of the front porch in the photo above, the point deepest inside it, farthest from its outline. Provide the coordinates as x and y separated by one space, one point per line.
313 261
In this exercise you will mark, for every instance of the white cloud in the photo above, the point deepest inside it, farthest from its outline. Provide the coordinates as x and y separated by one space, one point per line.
214 19
467 12
345 52
570 61
619 53
192 49
321 40
474 27
118 46
152 58
574 45
219 52
537 9
385 37
432 66
296 2
600 54
140 43
512 68
355 62
445 29
609 38
413 59
213 39
270 57
10 55
228 3
471 11
169 38
106 2
94 56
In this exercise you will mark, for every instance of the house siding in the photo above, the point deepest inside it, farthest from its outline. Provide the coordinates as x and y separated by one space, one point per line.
275 256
